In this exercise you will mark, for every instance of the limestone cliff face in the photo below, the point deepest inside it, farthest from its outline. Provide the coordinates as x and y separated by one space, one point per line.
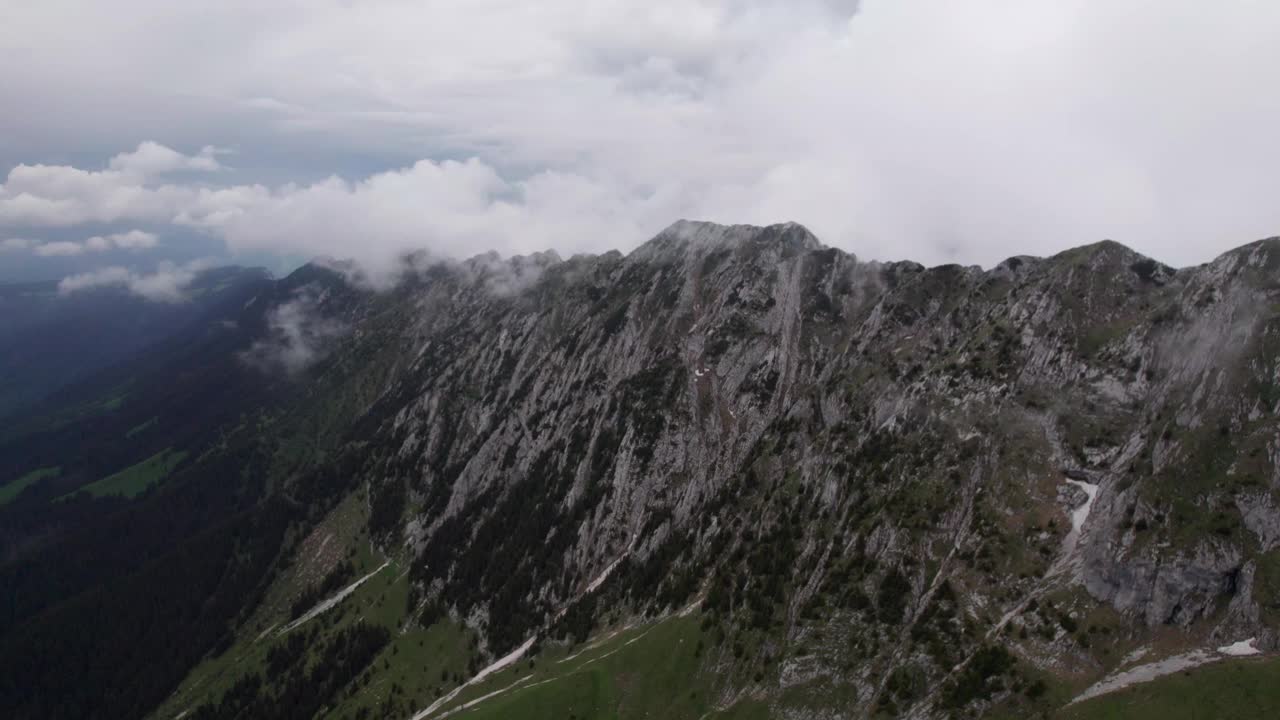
868 470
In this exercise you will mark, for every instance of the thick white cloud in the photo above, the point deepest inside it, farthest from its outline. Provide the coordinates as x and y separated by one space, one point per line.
930 129
152 158
168 283
62 196
456 209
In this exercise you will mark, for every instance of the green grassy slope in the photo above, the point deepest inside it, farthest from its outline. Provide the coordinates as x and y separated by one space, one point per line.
417 665
135 479
652 671
12 490
641 672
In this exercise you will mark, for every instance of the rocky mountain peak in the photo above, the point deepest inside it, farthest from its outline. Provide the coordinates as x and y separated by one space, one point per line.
702 236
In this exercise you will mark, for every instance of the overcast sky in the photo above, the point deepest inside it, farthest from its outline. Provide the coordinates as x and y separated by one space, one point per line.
136 131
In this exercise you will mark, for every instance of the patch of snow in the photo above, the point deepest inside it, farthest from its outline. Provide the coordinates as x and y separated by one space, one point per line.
1135 656
330 603
1079 516
1240 649
1146 673
615 650
472 703
693 606
601 641
506 660
604 575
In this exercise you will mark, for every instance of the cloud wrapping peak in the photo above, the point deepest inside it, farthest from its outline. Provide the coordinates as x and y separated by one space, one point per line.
455 209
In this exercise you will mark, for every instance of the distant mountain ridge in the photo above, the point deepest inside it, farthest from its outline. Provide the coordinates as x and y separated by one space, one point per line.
48 340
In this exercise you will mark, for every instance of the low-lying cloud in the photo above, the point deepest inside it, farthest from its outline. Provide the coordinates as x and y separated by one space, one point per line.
298 335
167 283
16 244
132 240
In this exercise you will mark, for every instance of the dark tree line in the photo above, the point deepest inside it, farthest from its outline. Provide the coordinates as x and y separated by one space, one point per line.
292 691
119 649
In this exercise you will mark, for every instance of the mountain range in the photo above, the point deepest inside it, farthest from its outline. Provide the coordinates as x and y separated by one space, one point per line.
731 474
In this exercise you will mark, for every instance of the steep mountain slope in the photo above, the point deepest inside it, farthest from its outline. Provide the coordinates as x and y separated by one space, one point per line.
738 474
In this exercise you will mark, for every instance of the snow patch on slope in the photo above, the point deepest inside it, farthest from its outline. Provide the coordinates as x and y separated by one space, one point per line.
489 696
506 660
1135 656
1240 649
1168 666
503 662
1079 516
330 603
604 575
1146 673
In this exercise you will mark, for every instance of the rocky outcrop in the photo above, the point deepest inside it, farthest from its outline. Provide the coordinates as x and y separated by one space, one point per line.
1262 517
1173 591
